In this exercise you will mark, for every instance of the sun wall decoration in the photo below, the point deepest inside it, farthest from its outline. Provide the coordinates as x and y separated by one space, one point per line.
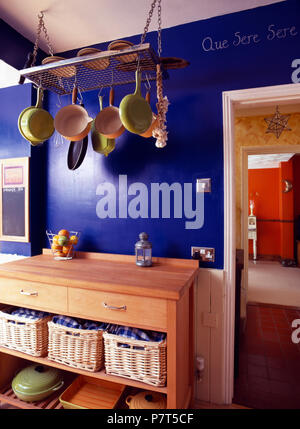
277 123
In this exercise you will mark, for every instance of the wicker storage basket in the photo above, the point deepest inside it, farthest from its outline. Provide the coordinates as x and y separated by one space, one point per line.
79 348
23 334
144 361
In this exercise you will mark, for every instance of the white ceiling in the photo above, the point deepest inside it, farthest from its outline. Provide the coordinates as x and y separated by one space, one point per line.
74 24
267 160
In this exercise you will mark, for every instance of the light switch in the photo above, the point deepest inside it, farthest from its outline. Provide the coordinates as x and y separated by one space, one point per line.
203 185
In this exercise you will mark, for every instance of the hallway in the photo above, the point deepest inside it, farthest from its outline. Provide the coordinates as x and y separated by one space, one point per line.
270 282
269 362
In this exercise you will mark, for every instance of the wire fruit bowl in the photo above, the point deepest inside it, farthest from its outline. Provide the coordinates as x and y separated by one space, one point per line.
63 243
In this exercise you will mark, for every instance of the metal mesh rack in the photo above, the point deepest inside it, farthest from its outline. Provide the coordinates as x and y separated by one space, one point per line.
100 70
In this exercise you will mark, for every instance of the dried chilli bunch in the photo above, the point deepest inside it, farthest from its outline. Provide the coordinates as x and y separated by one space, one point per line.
160 133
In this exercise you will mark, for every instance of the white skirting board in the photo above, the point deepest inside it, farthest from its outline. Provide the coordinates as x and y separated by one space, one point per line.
209 332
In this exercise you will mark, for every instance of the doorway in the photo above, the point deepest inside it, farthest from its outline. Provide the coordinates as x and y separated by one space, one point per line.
269 362
274 195
233 100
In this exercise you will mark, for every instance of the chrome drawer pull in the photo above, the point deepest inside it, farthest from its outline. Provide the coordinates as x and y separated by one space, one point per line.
22 292
111 307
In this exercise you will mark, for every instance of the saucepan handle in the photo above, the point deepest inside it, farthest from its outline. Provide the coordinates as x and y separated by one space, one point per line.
74 94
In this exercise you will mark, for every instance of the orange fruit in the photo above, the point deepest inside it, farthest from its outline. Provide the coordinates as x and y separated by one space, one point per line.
56 246
74 239
55 239
64 232
61 254
67 250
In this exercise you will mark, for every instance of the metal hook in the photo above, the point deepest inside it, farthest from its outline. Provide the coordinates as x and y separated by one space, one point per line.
59 101
39 88
80 98
148 85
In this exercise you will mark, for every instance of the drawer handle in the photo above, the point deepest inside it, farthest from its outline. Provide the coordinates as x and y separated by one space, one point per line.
112 307
23 292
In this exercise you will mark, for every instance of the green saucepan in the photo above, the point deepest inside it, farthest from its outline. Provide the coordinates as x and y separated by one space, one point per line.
135 111
100 143
35 123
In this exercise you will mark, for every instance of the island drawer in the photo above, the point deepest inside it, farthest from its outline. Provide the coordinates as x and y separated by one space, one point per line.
150 313
39 296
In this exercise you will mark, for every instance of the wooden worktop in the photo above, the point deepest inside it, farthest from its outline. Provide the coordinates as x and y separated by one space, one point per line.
167 278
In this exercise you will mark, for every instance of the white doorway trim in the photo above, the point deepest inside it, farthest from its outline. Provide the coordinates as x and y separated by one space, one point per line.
233 100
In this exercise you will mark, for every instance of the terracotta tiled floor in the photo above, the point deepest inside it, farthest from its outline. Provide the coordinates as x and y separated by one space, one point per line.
269 362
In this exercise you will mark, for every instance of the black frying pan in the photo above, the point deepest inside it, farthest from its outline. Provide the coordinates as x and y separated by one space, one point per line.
77 152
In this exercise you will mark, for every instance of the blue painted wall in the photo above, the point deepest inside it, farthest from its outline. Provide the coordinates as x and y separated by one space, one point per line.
194 119
13 50
14 47
13 100
195 144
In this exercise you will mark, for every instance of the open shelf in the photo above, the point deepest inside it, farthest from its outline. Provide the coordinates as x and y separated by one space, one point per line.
52 402
90 72
99 374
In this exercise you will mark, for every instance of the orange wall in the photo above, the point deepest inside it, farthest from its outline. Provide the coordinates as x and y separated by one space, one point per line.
263 185
296 172
274 210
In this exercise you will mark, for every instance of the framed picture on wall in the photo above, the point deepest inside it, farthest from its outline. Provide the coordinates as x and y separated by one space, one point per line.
14 199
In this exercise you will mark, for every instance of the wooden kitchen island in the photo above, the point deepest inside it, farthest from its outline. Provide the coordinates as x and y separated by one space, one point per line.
158 298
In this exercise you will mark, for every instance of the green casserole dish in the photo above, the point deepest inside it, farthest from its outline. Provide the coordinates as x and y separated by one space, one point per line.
36 382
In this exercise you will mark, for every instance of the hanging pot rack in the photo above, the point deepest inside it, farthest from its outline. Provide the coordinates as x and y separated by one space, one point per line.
60 76
115 66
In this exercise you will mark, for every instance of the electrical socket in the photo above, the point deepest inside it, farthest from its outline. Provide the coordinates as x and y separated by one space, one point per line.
204 254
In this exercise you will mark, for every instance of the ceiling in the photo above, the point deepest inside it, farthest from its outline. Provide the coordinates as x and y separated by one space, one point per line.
267 160
74 24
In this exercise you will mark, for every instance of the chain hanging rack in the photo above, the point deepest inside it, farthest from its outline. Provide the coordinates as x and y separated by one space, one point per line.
146 28
160 132
41 26
60 76
31 58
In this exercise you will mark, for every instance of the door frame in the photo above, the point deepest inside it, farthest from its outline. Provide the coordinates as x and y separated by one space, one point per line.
232 100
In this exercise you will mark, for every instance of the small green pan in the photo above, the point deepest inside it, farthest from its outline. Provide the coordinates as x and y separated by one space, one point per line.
100 143
36 124
135 111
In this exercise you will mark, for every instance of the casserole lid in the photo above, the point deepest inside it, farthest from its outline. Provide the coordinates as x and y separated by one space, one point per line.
36 379
147 400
